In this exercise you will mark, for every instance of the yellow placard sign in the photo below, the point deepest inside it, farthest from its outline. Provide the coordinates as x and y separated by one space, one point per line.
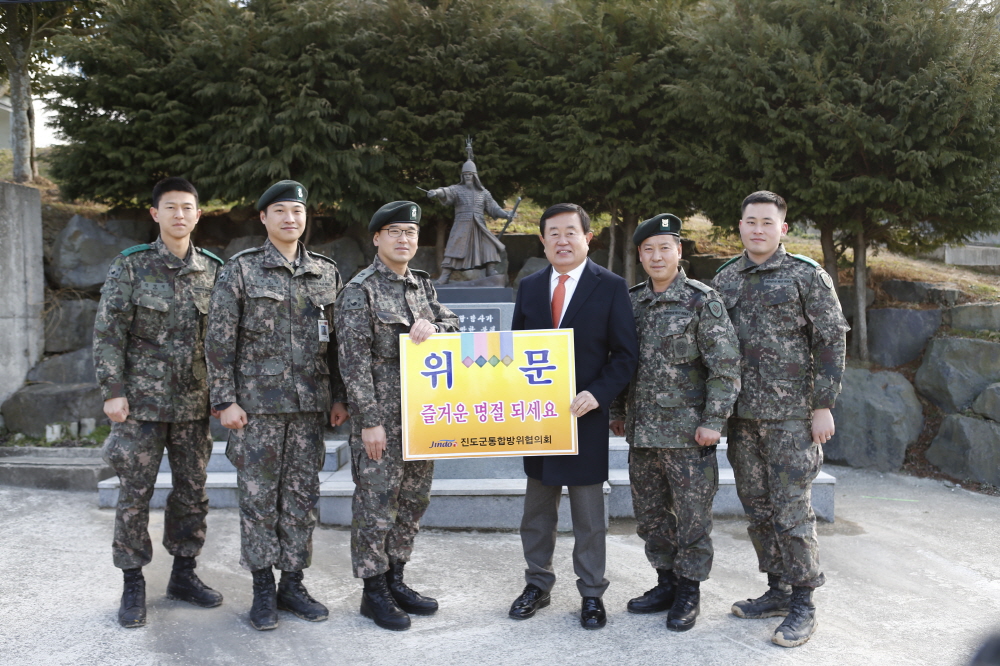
473 395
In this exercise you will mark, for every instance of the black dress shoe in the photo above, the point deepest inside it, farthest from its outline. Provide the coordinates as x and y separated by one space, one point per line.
592 615
529 602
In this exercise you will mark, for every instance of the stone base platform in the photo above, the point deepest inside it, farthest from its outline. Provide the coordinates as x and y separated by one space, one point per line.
467 493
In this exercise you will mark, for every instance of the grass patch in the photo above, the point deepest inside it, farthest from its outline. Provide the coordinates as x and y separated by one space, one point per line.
92 440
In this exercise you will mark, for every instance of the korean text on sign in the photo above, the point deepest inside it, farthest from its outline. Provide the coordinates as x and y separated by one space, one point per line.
488 393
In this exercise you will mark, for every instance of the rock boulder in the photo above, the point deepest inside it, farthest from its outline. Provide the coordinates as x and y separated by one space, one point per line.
69 325
956 370
76 367
845 293
877 415
346 252
33 407
241 243
988 403
968 448
82 253
532 265
897 336
976 317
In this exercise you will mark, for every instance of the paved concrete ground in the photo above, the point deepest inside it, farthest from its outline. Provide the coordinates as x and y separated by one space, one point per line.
914 578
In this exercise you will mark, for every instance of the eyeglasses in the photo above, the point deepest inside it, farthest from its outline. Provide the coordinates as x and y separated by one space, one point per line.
396 232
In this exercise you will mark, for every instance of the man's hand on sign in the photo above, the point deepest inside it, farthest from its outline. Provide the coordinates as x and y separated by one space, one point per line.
421 330
583 403
618 427
374 441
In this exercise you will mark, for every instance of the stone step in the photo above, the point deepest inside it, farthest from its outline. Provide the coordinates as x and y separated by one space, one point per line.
54 472
475 503
337 455
727 502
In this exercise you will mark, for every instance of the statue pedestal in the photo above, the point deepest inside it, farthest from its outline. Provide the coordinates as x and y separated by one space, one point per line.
461 292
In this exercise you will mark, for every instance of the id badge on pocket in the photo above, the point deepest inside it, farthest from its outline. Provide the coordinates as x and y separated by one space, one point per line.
324 330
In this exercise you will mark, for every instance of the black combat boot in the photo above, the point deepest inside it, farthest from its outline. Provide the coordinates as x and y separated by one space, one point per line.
772 603
801 621
132 612
294 598
658 599
264 612
407 599
185 585
378 604
686 606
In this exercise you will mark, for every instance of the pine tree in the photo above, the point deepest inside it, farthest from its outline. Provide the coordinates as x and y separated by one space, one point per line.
601 134
876 119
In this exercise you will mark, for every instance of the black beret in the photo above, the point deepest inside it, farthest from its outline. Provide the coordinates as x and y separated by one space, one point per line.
657 226
283 190
397 211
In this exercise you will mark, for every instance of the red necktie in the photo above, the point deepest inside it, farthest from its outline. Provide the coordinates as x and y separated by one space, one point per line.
558 296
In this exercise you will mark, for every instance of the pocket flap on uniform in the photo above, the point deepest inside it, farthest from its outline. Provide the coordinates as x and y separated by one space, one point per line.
324 298
151 302
202 299
670 400
781 295
675 325
391 318
260 292
269 366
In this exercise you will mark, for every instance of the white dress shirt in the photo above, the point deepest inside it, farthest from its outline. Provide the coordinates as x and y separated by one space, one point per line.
569 286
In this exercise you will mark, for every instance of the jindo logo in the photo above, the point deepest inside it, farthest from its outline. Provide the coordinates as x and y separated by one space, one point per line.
444 444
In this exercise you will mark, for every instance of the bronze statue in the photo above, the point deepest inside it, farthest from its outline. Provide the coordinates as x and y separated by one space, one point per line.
471 244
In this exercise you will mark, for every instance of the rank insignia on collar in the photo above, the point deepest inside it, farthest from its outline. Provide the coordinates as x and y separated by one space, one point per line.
715 307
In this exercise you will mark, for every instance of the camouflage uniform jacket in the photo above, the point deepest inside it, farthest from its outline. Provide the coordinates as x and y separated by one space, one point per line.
792 335
263 346
689 365
374 309
149 335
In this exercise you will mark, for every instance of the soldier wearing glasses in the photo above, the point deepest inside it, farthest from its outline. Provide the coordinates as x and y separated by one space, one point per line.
380 303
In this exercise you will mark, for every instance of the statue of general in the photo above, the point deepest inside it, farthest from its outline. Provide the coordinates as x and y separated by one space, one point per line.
471 244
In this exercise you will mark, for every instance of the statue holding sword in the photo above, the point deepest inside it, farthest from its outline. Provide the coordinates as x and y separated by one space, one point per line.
471 244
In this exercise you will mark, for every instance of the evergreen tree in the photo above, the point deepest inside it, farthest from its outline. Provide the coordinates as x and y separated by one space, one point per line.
876 119
26 34
600 133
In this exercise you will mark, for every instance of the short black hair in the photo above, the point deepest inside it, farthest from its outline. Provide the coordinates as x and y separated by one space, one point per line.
763 196
172 184
561 208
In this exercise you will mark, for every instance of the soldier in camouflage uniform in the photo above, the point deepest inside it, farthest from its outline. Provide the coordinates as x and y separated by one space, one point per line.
471 244
390 495
673 410
272 365
792 336
149 339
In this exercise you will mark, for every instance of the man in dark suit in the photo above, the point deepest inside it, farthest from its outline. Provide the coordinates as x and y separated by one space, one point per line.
575 292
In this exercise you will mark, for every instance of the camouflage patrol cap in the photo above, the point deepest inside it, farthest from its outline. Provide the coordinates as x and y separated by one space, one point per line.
283 190
397 211
657 226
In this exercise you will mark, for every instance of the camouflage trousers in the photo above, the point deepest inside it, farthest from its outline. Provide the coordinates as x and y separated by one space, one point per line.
672 493
775 463
278 458
134 450
390 497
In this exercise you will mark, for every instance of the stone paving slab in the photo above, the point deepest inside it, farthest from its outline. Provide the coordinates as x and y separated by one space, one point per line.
912 567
